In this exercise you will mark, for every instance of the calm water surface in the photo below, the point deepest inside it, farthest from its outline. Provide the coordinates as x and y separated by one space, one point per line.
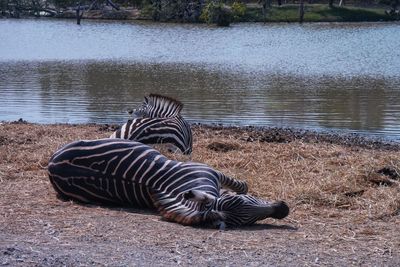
318 76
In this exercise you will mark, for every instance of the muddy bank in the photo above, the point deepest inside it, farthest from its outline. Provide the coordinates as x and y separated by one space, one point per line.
286 135
343 192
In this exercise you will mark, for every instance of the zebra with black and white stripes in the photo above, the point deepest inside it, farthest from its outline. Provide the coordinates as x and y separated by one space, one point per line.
129 173
158 121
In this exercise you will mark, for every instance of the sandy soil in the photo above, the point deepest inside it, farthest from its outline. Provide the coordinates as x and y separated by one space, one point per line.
343 192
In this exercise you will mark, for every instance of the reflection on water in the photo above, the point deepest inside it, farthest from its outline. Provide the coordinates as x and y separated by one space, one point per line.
326 75
351 49
102 91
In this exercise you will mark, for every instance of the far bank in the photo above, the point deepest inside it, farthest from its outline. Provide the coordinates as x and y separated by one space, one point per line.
211 12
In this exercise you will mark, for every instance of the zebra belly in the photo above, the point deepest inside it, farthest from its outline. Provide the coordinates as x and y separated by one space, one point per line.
88 186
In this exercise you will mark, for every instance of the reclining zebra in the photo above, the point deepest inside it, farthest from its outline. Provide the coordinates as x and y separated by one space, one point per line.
129 173
158 120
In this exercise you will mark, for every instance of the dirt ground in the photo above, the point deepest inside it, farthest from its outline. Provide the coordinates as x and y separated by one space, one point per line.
343 192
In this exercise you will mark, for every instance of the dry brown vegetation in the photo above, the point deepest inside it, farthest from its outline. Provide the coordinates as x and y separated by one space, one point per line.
344 196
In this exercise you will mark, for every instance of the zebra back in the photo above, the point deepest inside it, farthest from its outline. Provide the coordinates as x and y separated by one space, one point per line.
173 130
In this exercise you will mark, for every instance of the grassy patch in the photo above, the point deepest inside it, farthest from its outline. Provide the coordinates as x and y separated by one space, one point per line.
353 14
314 13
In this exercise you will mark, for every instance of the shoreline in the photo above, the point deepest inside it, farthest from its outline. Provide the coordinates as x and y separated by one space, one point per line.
138 20
266 134
286 134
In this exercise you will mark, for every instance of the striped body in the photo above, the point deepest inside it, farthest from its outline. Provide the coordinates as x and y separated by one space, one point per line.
158 121
128 173
174 130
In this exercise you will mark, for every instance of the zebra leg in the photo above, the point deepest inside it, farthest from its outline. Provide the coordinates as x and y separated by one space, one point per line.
220 225
237 186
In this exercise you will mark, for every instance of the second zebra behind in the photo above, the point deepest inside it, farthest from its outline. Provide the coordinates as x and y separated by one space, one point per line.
158 121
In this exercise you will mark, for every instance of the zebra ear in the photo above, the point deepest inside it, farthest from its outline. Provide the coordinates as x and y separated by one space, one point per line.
198 196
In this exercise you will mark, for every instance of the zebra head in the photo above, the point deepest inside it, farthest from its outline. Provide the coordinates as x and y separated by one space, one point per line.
236 209
155 105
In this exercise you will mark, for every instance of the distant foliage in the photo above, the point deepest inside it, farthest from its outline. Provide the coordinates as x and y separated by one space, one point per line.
64 3
73 3
176 10
148 10
134 3
238 10
220 12
206 12
394 4
216 13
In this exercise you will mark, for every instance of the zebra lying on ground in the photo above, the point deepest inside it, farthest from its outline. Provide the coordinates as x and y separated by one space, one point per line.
129 173
157 121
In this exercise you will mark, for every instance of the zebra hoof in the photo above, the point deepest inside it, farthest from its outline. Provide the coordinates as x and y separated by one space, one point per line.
172 149
220 225
281 210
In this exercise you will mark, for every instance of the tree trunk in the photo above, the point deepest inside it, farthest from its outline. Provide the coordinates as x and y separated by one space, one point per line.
15 13
330 3
395 3
4 8
301 11
264 9
78 14
35 7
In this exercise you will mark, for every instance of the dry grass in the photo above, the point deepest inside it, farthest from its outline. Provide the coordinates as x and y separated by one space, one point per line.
307 175
336 195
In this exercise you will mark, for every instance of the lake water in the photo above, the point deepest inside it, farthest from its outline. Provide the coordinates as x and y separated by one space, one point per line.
323 76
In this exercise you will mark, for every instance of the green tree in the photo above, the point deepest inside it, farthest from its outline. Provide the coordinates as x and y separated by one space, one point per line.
238 10
216 12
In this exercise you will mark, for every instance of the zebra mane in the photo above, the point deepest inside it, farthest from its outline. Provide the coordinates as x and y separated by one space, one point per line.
156 106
